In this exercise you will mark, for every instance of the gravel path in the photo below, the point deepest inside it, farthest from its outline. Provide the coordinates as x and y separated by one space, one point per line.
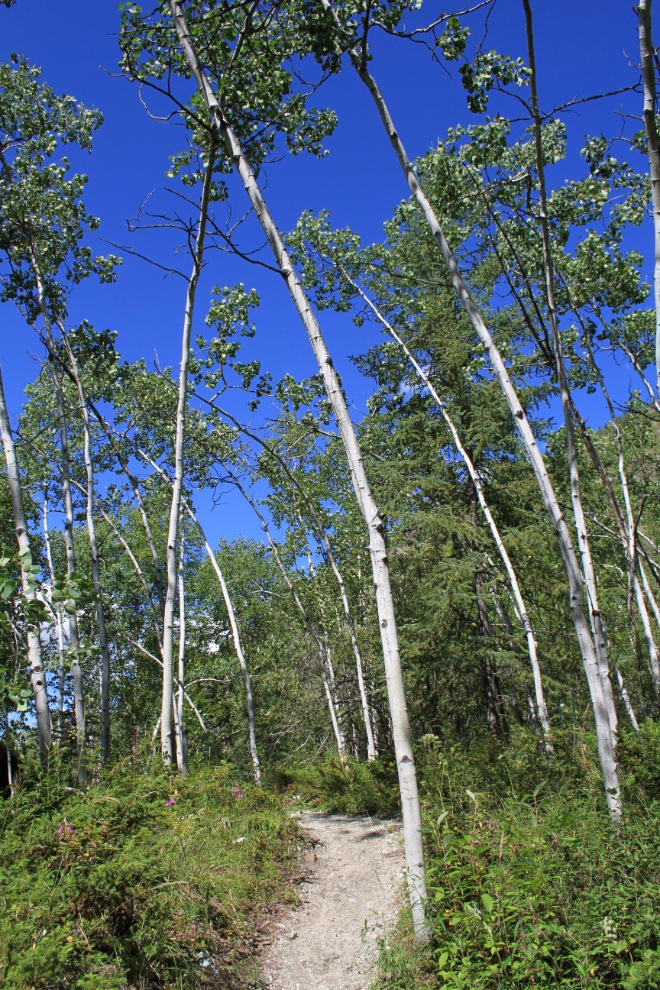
349 901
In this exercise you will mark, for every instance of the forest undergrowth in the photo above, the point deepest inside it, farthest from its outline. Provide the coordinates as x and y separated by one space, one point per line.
152 881
530 884
144 881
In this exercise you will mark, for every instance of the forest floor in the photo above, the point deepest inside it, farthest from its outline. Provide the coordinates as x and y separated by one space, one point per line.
350 898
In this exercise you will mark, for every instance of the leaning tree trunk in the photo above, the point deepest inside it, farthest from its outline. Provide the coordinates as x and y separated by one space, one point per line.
167 747
357 653
181 732
60 628
96 566
576 587
412 818
647 55
576 497
316 639
476 481
74 639
37 672
237 644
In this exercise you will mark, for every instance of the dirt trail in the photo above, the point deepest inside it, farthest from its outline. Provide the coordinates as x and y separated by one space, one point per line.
350 900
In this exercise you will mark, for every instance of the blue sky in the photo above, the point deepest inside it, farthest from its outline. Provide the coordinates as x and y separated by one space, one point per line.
582 48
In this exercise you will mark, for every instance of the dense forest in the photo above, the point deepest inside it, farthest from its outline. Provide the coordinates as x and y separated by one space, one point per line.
451 612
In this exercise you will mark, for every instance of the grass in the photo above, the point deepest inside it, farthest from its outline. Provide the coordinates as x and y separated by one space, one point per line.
145 881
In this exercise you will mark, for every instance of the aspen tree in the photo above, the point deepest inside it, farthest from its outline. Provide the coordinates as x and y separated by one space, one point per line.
96 567
74 638
576 496
648 58
181 735
492 525
60 627
232 619
575 580
412 820
37 671
236 636
167 747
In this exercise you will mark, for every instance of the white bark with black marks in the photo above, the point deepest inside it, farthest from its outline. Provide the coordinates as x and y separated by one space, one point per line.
647 56
576 589
167 742
37 672
412 817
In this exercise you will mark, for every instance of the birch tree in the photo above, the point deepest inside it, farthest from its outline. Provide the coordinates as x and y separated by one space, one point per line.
219 120
167 742
575 580
649 60
37 669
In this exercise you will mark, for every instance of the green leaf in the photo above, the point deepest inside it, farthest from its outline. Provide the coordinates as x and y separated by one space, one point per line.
488 903
442 961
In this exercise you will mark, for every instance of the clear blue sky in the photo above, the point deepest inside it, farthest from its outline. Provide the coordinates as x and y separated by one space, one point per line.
582 48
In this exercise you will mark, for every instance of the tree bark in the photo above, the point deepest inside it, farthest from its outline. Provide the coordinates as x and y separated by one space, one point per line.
412 818
96 566
60 629
167 748
647 55
74 639
37 672
605 743
576 589
236 636
181 749
371 748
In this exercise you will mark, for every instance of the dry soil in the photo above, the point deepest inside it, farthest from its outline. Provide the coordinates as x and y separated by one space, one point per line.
354 872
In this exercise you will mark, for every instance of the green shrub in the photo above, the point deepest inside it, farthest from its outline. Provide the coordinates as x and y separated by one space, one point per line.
530 884
346 788
138 881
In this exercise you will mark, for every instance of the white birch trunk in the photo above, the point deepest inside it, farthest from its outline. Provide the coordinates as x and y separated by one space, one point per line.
476 481
104 742
332 705
60 629
625 697
648 633
412 818
627 527
647 56
576 498
576 590
37 671
74 639
181 754
371 748
237 644
167 741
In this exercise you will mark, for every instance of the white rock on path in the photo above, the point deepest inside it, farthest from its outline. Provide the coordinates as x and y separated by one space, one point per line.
331 942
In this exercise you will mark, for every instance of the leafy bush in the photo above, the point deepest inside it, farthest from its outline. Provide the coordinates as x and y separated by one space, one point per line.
535 887
142 881
346 788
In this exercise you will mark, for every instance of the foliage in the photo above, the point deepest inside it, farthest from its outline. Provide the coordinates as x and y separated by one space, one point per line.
530 884
141 881
346 788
